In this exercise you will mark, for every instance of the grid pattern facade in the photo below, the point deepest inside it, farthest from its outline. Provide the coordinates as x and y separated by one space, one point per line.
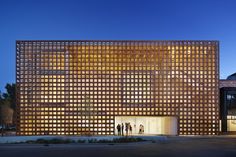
78 87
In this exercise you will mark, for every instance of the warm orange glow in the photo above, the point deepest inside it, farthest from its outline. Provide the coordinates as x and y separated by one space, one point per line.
79 87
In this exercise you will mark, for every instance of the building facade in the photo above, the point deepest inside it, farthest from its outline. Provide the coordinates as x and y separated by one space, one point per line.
89 87
228 105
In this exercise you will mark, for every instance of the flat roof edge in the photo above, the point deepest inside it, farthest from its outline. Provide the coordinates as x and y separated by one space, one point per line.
117 40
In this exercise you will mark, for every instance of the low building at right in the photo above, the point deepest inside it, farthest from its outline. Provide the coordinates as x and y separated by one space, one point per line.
228 104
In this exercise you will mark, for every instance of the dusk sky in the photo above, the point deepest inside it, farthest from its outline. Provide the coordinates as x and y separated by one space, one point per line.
116 20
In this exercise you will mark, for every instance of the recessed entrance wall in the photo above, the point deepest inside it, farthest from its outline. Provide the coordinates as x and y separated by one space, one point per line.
151 124
231 125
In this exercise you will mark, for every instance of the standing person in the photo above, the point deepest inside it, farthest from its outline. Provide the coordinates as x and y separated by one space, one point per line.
122 129
130 129
140 129
135 129
126 129
118 129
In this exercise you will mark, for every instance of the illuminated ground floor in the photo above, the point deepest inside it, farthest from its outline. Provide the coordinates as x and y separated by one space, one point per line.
148 125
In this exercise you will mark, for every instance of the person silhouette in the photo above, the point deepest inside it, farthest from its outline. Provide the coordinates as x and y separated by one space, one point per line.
118 127
140 129
130 129
126 128
122 129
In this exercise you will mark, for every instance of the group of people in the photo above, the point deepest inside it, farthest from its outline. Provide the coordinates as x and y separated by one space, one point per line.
121 127
128 129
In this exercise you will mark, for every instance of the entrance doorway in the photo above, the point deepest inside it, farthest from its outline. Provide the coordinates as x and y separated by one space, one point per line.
150 125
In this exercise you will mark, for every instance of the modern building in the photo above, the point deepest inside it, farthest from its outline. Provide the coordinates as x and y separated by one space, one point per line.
89 87
228 104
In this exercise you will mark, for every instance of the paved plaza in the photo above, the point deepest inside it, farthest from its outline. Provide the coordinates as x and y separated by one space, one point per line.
219 146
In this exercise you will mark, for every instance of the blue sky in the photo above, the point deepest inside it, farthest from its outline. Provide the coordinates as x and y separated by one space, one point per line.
117 19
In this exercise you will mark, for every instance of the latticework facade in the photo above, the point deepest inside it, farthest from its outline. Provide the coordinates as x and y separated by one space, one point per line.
79 87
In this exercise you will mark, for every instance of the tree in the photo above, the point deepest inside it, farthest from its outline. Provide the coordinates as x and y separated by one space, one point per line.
10 95
1 96
6 113
7 105
1 104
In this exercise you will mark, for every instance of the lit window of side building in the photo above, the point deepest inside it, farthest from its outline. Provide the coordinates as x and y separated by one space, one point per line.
89 87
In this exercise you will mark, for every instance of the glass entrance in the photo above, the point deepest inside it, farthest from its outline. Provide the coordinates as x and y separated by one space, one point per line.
147 125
